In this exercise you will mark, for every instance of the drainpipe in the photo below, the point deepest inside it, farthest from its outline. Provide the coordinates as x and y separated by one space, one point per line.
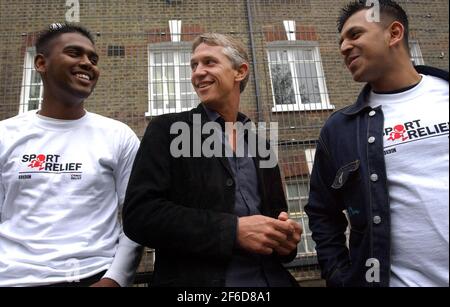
255 66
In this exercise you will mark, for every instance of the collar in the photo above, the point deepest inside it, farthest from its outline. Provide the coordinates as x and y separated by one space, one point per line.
214 116
363 98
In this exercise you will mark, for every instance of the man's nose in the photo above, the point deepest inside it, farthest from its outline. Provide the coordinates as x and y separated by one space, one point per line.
345 47
85 61
199 71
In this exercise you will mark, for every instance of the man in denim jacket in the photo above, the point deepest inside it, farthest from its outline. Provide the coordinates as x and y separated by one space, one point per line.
381 164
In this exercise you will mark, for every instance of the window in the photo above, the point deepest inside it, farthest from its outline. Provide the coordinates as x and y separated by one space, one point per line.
170 88
309 155
297 196
114 50
32 89
298 81
416 53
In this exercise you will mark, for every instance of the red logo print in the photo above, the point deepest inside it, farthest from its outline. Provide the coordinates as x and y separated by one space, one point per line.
38 162
398 133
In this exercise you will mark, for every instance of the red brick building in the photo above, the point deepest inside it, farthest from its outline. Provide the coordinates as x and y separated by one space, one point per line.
297 80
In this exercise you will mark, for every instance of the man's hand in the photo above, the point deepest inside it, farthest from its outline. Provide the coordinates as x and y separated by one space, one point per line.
262 235
105 282
287 246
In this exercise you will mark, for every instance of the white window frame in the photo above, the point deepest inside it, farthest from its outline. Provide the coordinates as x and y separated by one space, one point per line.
416 52
175 48
300 215
309 155
28 68
290 48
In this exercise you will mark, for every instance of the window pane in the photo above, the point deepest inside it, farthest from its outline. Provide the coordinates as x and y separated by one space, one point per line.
35 77
301 246
185 72
311 244
303 202
158 102
303 55
157 88
273 56
169 58
292 190
416 53
294 207
304 189
185 57
172 101
188 100
305 225
282 84
194 100
33 105
157 58
308 82
284 56
35 91
170 72
158 73
186 87
171 88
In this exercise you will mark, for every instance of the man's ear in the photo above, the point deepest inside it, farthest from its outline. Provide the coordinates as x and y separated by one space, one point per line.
242 72
397 32
40 63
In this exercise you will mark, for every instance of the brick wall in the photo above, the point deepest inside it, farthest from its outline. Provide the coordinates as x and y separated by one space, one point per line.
122 91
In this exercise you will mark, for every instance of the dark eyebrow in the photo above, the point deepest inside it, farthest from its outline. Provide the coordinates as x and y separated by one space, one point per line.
81 49
352 29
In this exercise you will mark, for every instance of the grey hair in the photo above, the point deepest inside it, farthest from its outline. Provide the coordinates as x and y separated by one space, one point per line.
233 49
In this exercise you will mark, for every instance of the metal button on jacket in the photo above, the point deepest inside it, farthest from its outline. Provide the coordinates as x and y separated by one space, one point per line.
374 177
376 219
372 113
229 182
371 140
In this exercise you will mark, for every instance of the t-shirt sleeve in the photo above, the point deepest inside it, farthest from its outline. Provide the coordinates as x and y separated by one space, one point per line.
128 149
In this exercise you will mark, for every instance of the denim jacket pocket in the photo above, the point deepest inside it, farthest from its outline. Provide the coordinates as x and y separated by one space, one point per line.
343 173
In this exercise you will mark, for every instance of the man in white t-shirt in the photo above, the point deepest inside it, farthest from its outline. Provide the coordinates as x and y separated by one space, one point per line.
63 176
384 161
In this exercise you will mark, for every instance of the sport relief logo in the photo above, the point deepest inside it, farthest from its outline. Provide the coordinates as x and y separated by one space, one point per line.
414 130
399 133
38 162
410 132
49 164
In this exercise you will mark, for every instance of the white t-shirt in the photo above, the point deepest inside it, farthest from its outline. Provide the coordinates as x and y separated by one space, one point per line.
416 148
61 186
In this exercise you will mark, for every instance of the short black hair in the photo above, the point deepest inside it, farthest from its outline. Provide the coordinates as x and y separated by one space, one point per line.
387 7
56 29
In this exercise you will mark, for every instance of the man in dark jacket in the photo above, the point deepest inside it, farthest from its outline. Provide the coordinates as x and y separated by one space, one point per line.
214 220
384 160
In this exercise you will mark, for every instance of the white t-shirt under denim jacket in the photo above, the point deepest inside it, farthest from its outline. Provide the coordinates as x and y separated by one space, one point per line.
416 149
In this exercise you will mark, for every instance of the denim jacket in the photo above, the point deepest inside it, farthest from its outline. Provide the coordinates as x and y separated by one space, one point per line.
349 174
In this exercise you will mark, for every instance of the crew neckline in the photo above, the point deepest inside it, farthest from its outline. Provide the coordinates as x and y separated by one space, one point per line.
410 92
57 124
404 89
